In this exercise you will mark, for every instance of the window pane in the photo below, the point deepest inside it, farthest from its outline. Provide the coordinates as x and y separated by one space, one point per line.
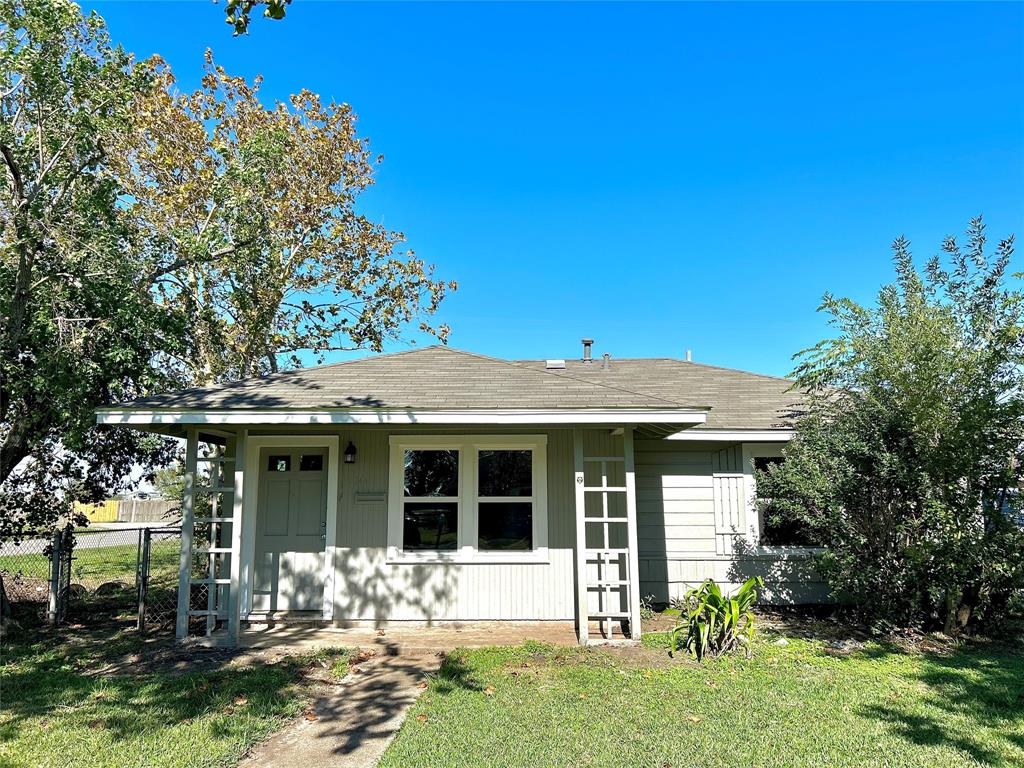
783 532
311 462
506 473
506 526
430 526
763 463
279 463
431 473
777 530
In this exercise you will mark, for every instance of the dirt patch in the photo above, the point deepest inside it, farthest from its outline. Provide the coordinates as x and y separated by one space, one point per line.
659 622
165 657
810 623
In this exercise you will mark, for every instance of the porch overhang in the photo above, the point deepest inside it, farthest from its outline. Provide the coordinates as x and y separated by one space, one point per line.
735 435
662 421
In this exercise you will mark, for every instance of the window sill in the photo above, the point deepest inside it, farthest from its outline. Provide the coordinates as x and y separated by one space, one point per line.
480 558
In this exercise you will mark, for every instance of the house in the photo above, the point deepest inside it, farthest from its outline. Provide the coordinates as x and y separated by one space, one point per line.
437 485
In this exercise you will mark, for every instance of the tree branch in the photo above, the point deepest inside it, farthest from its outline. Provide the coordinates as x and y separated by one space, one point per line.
12 166
183 261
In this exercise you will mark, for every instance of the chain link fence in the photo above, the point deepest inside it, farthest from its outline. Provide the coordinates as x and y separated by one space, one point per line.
160 560
27 570
94 573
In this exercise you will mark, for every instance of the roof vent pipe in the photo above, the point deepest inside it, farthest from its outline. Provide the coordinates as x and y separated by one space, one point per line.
587 344
689 356
606 361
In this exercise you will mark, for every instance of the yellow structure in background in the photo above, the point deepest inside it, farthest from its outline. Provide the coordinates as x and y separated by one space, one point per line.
104 512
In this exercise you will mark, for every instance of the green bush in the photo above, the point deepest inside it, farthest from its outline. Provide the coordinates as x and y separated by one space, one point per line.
714 623
906 462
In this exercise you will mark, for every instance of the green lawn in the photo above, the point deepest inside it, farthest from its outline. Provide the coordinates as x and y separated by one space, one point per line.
56 713
799 704
792 705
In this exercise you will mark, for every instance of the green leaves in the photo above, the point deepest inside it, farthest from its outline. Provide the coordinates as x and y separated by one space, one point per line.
79 327
249 215
910 450
714 624
238 13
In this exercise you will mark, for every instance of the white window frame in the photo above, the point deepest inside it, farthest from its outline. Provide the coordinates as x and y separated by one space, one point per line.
468 447
753 451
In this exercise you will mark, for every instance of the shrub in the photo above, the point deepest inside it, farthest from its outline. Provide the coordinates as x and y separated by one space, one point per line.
906 461
713 623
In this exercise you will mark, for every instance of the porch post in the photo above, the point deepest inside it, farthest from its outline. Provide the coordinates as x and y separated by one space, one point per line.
238 483
187 507
582 620
631 526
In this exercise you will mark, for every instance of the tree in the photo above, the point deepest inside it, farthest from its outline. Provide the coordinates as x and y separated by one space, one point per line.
152 239
238 12
909 454
249 215
169 481
79 328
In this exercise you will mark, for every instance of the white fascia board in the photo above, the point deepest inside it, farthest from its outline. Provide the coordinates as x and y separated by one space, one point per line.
130 417
735 436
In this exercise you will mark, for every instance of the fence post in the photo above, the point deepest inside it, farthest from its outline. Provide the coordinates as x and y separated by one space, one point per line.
143 577
53 608
138 559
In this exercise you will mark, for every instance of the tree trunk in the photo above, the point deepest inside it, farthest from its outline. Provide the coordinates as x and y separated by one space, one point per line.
959 609
5 608
952 604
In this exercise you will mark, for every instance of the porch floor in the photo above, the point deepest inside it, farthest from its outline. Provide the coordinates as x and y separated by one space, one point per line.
399 640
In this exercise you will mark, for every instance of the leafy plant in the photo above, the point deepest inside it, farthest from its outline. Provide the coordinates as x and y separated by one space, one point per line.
714 623
647 607
906 461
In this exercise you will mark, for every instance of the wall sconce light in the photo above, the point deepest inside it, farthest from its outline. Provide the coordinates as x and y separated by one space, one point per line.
350 453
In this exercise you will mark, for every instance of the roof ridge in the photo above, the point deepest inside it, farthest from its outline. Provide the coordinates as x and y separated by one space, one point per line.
684 362
732 370
597 359
305 369
365 358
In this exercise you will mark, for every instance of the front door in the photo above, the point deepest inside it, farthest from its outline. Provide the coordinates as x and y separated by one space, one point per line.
291 530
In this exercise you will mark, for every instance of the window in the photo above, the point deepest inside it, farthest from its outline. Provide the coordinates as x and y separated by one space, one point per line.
505 500
777 531
279 463
430 500
467 498
311 462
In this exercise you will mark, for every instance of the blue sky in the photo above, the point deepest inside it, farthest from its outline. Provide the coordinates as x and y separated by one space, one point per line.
661 177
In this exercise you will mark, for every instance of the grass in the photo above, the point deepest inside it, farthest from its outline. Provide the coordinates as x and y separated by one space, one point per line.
789 705
56 712
92 566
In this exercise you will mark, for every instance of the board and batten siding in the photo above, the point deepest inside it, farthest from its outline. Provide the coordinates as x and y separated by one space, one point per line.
693 524
368 588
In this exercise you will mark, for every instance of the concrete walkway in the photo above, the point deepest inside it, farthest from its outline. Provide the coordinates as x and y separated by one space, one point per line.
352 724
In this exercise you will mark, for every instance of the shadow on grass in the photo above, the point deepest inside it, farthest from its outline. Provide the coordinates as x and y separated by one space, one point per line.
56 680
984 687
455 675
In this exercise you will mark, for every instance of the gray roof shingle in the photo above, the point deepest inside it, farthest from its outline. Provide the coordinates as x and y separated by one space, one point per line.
736 399
441 378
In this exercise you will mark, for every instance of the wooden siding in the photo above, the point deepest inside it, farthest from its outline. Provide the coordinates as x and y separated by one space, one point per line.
369 588
692 515
681 521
